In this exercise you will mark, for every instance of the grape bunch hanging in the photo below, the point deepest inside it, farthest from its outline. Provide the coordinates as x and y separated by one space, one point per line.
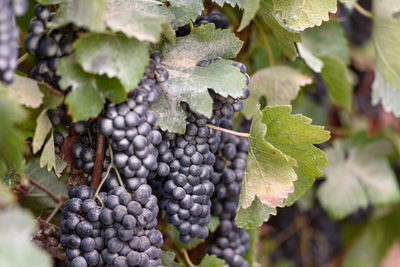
190 176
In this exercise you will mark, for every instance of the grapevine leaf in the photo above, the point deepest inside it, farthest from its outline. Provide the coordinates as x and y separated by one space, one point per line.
282 163
279 84
190 83
88 14
336 77
250 10
386 30
192 8
294 136
7 196
213 224
89 92
312 61
16 247
366 174
48 156
182 16
43 127
233 3
142 19
373 241
254 216
286 37
269 173
299 14
36 199
211 261
328 39
174 234
386 94
167 259
107 54
11 138
26 91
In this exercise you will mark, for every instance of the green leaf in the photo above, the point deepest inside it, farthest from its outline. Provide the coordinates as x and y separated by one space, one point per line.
386 37
374 241
12 144
174 234
213 224
36 199
190 83
254 216
107 54
279 84
233 3
327 39
16 247
48 155
312 61
26 91
286 37
191 9
43 127
386 94
167 259
337 79
357 176
211 261
295 136
89 91
142 19
250 10
269 173
88 14
282 163
299 15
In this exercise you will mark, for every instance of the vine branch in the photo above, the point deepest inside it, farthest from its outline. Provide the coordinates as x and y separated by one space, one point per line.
246 135
44 189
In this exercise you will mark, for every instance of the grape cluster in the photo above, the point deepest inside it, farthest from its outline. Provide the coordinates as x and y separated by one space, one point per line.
9 37
129 221
220 22
229 242
48 47
186 166
187 188
130 128
81 229
84 151
121 234
56 115
58 141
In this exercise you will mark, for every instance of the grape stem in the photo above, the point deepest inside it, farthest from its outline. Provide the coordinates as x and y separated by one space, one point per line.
265 40
22 58
363 11
54 212
246 135
186 256
44 189
111 166
51 88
